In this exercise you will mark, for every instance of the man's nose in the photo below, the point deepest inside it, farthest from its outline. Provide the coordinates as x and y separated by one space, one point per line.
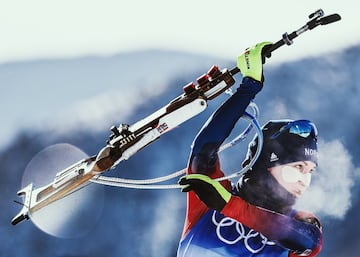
305 179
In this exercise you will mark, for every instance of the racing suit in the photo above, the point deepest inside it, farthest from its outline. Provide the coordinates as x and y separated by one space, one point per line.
240 229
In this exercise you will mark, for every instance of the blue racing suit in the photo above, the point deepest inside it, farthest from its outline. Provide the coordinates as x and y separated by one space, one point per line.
240 229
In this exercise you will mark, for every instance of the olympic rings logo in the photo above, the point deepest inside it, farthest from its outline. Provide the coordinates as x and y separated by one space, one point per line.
247 237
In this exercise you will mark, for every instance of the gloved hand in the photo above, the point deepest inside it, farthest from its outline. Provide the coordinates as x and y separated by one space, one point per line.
251 61
211 192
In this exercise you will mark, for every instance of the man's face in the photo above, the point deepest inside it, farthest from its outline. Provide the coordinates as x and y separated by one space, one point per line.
295 177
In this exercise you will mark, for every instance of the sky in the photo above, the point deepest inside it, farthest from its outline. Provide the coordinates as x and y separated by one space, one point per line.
67 29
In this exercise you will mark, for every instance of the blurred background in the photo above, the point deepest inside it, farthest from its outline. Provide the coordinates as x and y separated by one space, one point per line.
70 70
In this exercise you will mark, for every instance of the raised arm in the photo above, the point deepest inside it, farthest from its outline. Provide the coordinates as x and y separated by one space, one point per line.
204 155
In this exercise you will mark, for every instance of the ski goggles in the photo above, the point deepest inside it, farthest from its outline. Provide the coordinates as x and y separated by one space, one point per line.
302 128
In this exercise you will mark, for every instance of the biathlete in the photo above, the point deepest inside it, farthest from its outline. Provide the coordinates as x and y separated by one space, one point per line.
256 216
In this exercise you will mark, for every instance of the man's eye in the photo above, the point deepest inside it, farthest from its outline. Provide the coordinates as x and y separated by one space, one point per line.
298 166
312 170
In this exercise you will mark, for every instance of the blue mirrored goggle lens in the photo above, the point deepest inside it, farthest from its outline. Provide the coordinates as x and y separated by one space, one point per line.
302 128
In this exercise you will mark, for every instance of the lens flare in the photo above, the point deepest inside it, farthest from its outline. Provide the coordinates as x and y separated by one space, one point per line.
74 215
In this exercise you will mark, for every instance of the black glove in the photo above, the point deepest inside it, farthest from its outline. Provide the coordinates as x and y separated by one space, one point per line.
211 192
